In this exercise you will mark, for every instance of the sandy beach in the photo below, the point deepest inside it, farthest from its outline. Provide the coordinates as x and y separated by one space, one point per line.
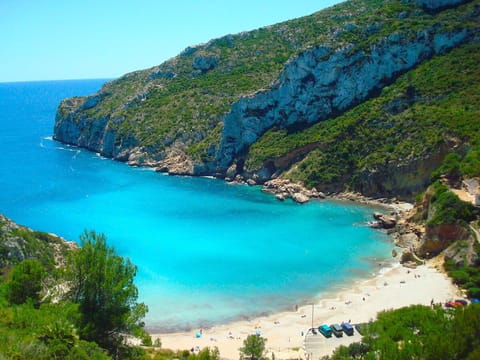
392 288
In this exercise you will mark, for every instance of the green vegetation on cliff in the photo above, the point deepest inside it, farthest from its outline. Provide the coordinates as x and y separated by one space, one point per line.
465 275
25 283
43 333
18 243
66 302
434 106
418 332
447 208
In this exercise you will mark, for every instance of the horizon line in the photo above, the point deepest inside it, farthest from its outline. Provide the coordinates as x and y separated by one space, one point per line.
52 80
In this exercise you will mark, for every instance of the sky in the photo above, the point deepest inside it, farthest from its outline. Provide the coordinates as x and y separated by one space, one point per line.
87 39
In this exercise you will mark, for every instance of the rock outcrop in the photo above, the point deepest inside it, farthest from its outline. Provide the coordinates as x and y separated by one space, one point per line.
424 240
98 136
383 221
176 162
462 253
438 4
284 189
438 238
410 259
18 243
204 63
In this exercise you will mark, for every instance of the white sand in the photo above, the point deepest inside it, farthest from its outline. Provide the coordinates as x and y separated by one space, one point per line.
394 288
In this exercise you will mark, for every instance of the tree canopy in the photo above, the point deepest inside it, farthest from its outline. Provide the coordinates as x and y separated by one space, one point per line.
419 332
102 284
25 282
253 348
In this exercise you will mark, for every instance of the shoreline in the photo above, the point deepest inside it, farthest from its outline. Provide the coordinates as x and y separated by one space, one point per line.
356 301
390 288
379 266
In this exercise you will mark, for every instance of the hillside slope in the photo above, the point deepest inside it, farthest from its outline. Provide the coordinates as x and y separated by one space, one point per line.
226 107
391 144
18 243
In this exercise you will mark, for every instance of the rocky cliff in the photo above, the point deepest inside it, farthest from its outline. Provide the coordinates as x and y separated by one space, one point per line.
311 89
204 111
18 243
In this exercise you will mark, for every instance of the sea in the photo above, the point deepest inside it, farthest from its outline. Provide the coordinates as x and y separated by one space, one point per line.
206 252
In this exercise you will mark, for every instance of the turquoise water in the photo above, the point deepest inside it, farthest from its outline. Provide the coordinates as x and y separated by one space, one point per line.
207 252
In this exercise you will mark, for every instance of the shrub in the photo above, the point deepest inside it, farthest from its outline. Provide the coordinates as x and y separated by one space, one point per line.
253 348
449 168
25 282
474 292
448 208
460 276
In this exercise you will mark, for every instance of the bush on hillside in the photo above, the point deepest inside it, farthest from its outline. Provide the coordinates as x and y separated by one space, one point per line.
448 208
25 282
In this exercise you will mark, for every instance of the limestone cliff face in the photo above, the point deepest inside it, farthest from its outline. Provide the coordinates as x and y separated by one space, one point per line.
320 83
402 180
76 128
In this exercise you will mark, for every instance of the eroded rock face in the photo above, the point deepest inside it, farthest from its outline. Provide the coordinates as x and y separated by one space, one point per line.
204 63
409 259
403 180
438 4
321 82
462 253
407 240
438 238
176 162
99 135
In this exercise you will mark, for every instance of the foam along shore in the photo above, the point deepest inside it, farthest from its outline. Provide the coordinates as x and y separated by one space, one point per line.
392 288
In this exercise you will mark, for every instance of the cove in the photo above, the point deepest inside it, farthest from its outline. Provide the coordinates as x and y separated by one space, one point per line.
207 252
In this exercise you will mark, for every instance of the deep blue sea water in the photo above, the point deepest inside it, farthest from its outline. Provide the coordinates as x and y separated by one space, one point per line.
207 252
